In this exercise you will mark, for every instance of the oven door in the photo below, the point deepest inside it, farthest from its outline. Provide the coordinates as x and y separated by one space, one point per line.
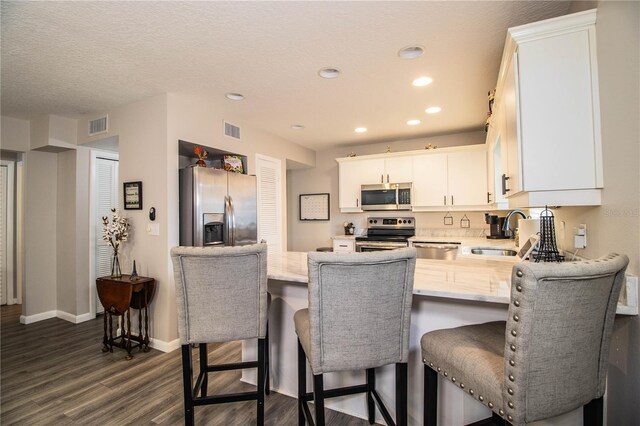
365 246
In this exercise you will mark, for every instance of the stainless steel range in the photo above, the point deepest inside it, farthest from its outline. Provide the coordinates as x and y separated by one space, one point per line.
386 233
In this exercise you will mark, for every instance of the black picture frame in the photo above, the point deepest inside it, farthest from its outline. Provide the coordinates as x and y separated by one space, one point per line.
132 195
314 206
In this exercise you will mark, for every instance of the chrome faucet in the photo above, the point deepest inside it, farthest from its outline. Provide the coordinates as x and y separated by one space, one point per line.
506 227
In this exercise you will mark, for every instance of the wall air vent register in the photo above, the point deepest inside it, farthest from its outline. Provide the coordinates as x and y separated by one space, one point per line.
99 125
231 130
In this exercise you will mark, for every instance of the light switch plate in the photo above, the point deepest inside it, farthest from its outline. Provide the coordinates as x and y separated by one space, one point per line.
153 228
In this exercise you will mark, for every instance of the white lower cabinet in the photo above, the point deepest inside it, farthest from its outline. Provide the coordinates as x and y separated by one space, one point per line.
344 245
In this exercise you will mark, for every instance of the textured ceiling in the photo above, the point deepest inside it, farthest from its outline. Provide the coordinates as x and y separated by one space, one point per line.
71 58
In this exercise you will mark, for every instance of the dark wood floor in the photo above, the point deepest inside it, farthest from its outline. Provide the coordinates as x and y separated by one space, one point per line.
54 373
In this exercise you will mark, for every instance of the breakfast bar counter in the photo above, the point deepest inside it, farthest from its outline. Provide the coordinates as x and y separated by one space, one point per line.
483 280
446 294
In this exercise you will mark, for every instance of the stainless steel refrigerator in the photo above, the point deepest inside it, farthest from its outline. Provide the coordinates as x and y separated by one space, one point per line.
217 208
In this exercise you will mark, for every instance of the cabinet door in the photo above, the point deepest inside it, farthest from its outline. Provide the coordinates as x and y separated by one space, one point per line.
510 138
371 171
345 246
353 174
467 172
430 180
557 121
398 169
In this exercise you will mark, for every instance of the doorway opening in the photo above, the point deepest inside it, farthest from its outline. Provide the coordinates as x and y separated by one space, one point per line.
104 196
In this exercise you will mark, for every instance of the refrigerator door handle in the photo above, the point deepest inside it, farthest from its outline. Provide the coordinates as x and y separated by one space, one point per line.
227 221
232 230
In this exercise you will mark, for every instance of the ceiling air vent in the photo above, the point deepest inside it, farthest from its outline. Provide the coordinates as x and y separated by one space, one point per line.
99 125
231 130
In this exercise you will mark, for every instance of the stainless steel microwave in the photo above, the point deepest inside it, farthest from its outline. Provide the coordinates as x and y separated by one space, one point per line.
386 196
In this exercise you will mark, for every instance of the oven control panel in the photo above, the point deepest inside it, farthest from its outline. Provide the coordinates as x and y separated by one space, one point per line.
391 222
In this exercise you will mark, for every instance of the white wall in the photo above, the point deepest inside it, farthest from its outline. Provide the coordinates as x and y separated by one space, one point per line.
62 130
40 228
306 235
199 120
148 134
66 233
72 240
14 134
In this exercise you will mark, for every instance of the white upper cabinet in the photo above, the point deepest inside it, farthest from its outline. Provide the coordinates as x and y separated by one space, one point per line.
450 180
352 174
441 179
357 171
429 180
398 169
467 173
547 116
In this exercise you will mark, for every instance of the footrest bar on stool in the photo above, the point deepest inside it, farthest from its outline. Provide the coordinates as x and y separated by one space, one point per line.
223 399
233 366
383 410
336 392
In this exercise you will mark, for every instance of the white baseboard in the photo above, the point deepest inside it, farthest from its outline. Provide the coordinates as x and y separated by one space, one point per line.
75 319
163 346
30 319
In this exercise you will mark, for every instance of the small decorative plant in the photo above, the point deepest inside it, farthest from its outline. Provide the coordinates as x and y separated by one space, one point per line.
202 154
114 233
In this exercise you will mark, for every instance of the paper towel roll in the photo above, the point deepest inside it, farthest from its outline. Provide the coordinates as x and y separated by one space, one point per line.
527 228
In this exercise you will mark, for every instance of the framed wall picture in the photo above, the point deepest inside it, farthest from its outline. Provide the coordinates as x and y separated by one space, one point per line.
132 195
314 206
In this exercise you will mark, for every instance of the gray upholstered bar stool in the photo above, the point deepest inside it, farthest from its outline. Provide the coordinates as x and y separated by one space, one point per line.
358 319
548 358
221 297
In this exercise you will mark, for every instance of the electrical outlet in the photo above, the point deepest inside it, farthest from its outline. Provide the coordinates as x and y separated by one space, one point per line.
580 236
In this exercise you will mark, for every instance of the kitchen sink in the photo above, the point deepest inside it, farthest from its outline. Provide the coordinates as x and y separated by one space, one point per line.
489 251
435 250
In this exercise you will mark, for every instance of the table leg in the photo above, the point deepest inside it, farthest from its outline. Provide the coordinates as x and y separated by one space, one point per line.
110 331
146 319
128 314
105 347
140 329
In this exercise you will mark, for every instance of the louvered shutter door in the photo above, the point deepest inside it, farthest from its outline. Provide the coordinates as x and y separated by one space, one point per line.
269 202
3 234
106 197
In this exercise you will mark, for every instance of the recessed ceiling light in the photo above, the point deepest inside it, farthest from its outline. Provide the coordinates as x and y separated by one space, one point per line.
329 72
360 129
422 81
413 122
411 52
297 126
235 96
433 110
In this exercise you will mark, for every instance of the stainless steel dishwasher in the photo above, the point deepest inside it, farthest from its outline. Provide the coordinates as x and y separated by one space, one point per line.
436 250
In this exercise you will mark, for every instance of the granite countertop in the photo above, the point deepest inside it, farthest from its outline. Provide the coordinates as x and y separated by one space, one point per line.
344 237
468 279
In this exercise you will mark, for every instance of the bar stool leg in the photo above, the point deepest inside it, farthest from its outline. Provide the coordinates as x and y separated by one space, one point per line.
204 362
593 413
187 382
371 386
401 393
430 397
260 384
302 384
266 362
318 398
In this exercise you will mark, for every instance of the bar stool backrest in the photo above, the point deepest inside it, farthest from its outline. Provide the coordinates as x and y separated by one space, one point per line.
221 292
558 334
359 308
